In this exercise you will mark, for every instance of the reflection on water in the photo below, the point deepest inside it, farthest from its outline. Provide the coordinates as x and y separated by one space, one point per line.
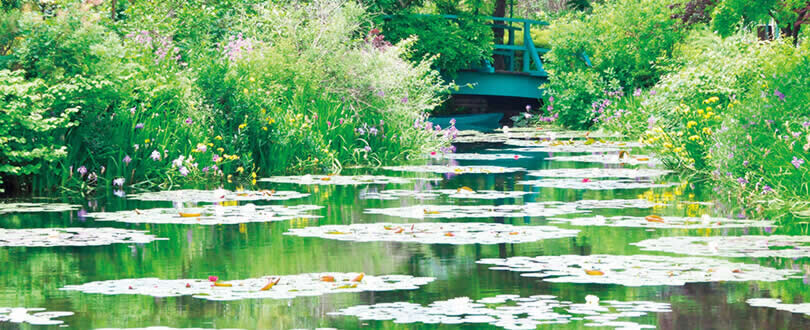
32 276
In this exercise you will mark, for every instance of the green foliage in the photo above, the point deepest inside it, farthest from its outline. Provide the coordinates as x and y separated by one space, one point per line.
762 150
627 43
459 44
31 117
215 94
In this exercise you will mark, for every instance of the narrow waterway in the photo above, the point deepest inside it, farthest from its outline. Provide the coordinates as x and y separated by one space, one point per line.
453 230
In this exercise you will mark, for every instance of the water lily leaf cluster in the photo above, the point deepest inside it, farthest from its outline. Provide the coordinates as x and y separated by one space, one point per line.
435 233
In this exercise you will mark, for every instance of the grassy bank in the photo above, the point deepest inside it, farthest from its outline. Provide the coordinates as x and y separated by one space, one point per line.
169 93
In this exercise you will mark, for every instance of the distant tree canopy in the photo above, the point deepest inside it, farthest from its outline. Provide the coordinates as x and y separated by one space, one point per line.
789 15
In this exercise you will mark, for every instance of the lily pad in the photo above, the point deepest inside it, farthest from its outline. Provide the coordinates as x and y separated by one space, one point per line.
36 207
612 158
33 316
455 169
435 233
477 156
463 192
510 312
665 222
44 237
596 184
285 287
803 308
636 270
732 246
540 209
628 173
339 180
210 214
219 195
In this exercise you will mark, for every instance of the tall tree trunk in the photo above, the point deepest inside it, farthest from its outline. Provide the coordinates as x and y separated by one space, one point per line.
112 9
500 11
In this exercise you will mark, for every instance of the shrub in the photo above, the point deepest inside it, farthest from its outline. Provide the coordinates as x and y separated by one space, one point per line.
30 122
462 43
626 41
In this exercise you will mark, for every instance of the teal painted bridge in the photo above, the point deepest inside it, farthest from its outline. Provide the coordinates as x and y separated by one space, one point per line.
516 79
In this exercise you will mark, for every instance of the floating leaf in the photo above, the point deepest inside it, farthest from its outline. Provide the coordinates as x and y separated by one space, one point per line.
621 158
44 237
666 222
454 169
509 311
732 246
588 184
6 208
540 209
637 270
803 308
211 214
215 196
396 194
288 286
629 173
341 180
25 315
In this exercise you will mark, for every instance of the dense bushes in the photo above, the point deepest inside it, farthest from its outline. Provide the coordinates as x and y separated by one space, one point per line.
226 94
627 44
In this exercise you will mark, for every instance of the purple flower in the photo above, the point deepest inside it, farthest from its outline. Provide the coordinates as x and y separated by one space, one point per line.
215 158
205 169
745 163
202 148
361 131
404 100
81 213
452 122
653 92
551 99
189 121
119 193
155 155
372 131
779 94
83 170
766 189
118 182
637 93
381 93
806 124
742 181
796 134
132 110
797 162
367 149
183 171
138 125
768 230
528 107
127 160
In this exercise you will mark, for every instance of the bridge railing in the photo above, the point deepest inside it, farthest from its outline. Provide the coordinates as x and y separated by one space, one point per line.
532 62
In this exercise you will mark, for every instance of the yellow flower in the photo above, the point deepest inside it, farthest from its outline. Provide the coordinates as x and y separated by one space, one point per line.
694 137
240 169
678 149
691 123
242 125
253 175
253 182
218 137
210 144
264 128
707 131
668 145
271 121
245 91
251 79
220 149
230 177
147 141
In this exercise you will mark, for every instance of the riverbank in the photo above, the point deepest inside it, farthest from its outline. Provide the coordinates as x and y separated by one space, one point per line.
203 95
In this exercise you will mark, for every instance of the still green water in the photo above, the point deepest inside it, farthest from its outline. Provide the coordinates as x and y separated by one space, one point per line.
31 277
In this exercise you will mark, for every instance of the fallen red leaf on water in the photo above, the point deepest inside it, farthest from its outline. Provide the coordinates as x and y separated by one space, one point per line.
399 230
594 272
359 277
327 278
449 234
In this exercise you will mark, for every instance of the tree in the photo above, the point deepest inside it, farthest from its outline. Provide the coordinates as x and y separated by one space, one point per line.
789 15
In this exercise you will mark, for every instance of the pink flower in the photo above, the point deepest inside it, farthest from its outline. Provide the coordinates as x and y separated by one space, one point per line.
189 121
797 162
213 278
586 180
328 123
433 153
516 156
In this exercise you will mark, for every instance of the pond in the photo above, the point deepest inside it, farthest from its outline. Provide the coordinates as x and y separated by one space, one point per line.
499 235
